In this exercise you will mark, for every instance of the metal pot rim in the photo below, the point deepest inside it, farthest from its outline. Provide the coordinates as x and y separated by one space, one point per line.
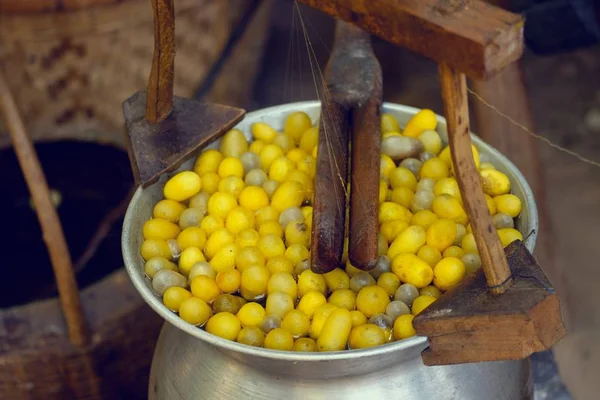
134 268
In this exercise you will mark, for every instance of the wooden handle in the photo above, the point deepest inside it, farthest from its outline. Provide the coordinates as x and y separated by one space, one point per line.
351 105
49 221
160 85
470 35
329 208
363 232
456 109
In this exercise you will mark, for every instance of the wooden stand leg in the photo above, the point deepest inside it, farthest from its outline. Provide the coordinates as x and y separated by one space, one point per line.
499 319
456 109
507 92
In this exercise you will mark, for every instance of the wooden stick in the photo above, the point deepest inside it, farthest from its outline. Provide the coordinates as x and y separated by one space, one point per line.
329 208
160 85
365 158
329 215
456 109
49 221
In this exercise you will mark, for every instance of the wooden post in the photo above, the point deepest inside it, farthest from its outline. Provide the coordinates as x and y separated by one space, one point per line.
456 109
472 36
160 84
49 221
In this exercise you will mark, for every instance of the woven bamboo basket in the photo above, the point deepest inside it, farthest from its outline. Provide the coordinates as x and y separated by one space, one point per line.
71 69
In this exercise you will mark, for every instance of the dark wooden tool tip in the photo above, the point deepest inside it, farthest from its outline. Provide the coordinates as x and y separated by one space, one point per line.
329 208
158 148
471 324
363 232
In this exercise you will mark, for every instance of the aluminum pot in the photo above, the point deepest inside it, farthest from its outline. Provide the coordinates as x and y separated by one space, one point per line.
190 363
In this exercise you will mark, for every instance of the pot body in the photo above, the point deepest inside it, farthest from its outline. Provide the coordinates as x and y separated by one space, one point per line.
190 363
185 367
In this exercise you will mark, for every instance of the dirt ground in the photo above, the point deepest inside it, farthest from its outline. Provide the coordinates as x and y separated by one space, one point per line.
564 93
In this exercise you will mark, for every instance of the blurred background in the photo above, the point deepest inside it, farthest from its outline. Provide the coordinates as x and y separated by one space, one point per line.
70 65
